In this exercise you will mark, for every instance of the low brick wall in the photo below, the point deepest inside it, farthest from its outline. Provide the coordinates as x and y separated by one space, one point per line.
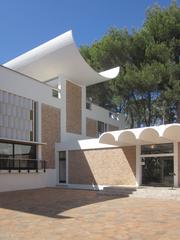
115 166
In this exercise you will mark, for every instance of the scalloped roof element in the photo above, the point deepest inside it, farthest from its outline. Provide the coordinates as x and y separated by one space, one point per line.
146 135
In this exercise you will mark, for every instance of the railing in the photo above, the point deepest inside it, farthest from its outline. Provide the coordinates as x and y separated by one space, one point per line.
22 164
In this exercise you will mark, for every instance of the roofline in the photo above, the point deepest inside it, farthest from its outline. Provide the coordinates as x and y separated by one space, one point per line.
59 56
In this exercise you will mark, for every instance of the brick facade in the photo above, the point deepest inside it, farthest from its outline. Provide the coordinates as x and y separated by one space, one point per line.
112 128
91 127
115 166
73 108
50 133
178 164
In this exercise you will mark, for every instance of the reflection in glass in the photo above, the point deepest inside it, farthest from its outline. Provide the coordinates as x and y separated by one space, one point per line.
24 151
158 171
157 148
6 150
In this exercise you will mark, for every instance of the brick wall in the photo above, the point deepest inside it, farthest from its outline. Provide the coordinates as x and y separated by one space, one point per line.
115 166
50 133
179 164
73 108
112 128
91 127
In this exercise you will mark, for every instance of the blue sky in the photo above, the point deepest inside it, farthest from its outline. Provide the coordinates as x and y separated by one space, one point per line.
28 23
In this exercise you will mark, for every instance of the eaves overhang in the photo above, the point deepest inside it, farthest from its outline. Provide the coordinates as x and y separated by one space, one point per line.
59 57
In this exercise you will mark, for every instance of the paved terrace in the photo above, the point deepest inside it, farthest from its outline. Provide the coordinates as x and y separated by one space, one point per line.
62 214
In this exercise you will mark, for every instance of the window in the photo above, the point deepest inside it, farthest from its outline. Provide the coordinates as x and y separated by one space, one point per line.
55 93
101 128
18 157
6 150
24 151
88 105
157 148
17 151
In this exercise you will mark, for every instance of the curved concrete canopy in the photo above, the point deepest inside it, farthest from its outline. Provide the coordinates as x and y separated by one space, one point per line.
59 57
127 137
147 135
107 138
172 132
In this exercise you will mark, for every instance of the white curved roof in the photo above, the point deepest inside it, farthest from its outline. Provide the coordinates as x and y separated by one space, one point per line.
59 57
147 135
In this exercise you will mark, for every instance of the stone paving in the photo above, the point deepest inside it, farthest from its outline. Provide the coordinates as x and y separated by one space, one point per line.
62 214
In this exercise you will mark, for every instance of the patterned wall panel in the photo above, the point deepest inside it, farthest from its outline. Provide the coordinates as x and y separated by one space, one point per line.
16 117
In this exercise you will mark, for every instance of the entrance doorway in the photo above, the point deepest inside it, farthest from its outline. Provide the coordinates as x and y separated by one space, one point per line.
158 171
157 162
62 167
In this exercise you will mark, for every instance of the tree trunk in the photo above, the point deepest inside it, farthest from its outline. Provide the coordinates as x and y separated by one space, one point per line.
150 109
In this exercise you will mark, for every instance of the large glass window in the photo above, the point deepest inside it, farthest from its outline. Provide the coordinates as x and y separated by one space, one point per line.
6 150
24 151
157 148
17 151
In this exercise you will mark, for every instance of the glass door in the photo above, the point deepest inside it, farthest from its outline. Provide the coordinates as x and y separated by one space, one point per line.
158 171
62 167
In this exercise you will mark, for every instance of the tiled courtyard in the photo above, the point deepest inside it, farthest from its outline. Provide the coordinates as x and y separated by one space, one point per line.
53 213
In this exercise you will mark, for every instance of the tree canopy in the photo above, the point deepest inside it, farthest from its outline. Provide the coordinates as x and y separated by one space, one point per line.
147 89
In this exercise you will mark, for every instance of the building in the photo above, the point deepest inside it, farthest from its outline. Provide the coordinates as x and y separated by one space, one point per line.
43 112
49 134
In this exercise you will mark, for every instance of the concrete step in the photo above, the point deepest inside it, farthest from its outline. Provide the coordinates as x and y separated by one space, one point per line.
142 192
117 191
160 193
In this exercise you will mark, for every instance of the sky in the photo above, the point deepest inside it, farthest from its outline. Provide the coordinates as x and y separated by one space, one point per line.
25 24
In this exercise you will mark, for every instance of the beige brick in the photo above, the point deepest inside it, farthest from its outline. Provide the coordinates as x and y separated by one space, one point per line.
179 164
50 133
91 127
73 108
115 166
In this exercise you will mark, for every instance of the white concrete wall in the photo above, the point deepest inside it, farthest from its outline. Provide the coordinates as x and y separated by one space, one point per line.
101 114
20 181
25 86
82 144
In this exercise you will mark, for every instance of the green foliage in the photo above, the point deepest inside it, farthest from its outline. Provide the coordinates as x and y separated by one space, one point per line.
148 87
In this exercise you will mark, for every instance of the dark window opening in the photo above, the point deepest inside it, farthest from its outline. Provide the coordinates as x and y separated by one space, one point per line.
62 167
101 128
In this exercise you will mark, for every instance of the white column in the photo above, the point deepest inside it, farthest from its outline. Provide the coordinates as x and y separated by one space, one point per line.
38 130
57 164
83 105
67 167
138 166
175 164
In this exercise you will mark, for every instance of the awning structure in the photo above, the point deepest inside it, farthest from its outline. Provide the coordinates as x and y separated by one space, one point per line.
139 136
59 57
